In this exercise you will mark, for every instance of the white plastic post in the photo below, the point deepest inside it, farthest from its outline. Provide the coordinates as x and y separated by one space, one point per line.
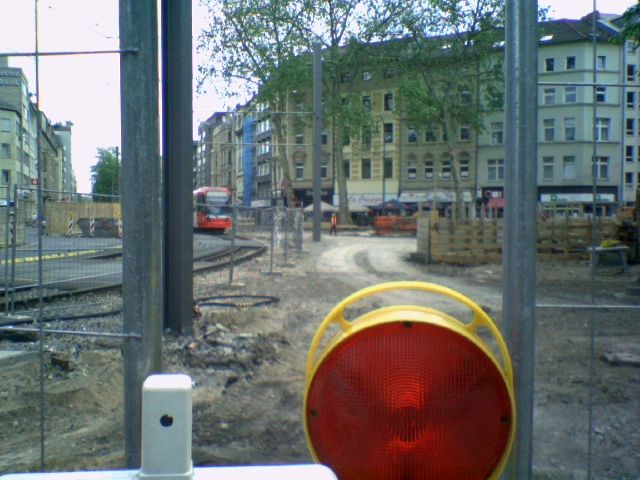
166 445
166 427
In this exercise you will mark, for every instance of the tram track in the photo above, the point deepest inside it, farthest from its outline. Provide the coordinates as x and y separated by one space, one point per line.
217 260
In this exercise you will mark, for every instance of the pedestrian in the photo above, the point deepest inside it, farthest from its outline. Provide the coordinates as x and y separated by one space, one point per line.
334 225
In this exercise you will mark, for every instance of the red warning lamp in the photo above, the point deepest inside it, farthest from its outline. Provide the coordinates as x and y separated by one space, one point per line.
408 392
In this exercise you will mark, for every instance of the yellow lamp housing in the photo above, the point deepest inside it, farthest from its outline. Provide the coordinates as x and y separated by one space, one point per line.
407 391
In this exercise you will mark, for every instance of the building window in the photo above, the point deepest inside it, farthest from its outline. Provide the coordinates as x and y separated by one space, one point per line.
602 168
366 136
345 78
601 94
446 169
497 133
550 64
549 130
630 130
431 134
388 132
323 170
464 168
366 75
631 73
603 127
569 168
547 168
570 95
628 153
5 125
366 168
412 136
428 169
638 154
631 100
571 63
570 129
366 103
299 135
347 168
465 132
411 170
549 96
465 97
388 101
495 170
601 63
299 170
631 47
628 180
6 150
389 72
388 168
6 176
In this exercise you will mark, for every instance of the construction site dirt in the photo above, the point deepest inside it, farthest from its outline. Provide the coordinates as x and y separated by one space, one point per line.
248 352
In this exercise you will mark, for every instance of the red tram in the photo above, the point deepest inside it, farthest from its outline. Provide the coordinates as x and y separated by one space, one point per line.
212 209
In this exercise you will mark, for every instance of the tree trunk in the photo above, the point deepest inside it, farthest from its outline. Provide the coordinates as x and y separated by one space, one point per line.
455 167
343 203
282 157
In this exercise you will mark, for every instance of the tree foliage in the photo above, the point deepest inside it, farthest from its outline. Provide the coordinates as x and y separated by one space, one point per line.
349 32
256 47
264 49
631 29
105 174
451 69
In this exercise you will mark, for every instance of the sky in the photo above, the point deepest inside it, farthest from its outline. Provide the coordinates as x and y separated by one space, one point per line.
84 89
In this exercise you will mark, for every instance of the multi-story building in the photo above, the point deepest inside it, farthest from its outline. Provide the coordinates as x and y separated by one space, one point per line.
18 127
216 153
588 108
68 183
19 142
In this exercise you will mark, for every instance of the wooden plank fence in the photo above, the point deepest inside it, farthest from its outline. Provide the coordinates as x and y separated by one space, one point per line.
475 241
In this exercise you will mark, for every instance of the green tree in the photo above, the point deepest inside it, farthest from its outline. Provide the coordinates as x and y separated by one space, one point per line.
451 69
256 49
631 29
264 49
347 31
105 174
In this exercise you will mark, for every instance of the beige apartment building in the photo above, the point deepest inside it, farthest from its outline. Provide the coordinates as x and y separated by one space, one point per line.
391 159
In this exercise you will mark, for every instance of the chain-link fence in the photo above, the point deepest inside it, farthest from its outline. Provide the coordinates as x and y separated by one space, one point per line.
61 299
65 242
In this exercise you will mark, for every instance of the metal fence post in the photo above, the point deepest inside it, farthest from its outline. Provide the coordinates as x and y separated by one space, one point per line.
273 228
286 232
6 256
234 217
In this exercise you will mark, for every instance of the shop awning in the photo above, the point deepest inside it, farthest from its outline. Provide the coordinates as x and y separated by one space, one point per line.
496 203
